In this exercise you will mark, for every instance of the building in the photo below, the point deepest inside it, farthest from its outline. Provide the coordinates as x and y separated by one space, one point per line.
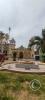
9 47
27 53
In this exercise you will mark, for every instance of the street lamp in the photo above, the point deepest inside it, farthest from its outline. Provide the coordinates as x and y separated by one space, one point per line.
9 29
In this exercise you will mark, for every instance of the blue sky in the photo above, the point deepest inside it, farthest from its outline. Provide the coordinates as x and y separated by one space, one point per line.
25 17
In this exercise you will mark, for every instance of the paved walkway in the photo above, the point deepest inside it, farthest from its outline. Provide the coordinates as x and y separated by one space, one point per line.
26 68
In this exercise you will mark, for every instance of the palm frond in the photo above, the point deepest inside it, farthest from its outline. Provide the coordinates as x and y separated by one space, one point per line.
34 40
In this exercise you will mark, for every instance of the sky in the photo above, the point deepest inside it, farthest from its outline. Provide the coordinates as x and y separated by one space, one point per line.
25 17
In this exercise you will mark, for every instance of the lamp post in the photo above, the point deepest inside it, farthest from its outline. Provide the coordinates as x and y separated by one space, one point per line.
9 30
9 43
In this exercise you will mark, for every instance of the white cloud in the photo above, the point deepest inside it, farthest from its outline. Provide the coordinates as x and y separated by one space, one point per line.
27 17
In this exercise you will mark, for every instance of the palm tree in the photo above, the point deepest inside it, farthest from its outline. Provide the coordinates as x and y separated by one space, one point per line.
6 45
2 36
39 41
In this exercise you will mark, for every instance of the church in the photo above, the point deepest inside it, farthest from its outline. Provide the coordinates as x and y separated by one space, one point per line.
8 47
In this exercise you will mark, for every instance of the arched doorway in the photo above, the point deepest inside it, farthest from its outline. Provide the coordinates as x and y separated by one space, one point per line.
14 56
21 55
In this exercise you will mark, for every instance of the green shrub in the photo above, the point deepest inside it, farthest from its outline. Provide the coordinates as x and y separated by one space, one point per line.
42 57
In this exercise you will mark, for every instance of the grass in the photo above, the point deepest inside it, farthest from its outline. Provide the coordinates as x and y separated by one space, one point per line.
15 86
